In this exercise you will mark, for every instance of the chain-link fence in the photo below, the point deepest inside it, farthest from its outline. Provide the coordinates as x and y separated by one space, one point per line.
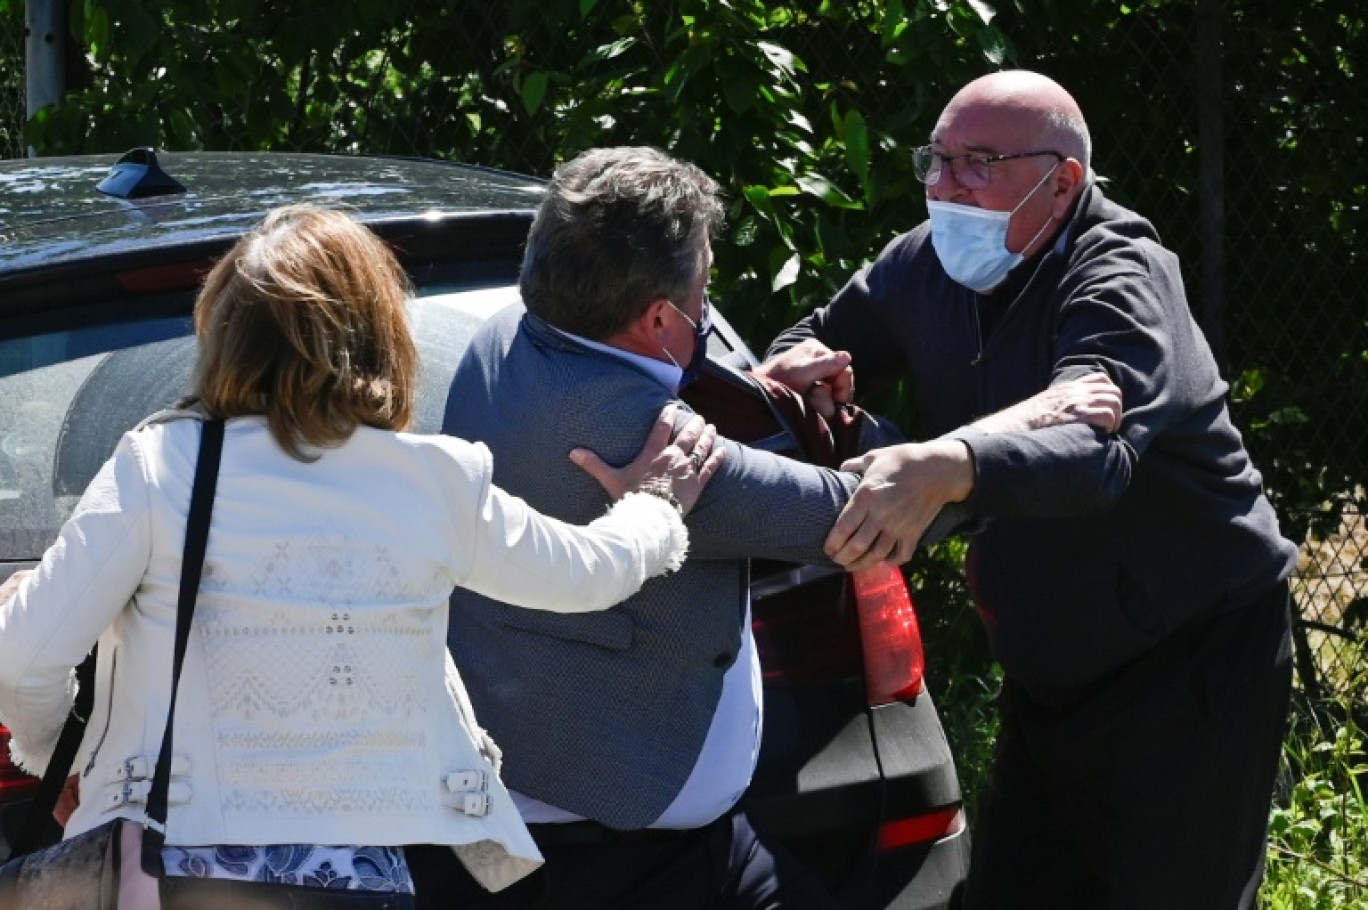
1202 121
12 104
1246 154
1236 127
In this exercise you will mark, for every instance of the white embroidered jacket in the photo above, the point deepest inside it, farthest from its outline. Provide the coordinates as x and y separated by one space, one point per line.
318 703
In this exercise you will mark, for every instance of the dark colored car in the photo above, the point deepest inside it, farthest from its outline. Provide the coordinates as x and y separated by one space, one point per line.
96 289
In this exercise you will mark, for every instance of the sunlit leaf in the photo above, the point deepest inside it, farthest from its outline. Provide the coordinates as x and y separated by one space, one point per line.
787 274
782 58
994 45
609 51
815 184
97 32
985 11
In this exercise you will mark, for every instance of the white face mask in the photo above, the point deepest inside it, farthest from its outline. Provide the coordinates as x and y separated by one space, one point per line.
972 242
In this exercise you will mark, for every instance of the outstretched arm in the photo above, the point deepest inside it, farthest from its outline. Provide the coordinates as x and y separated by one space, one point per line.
904 487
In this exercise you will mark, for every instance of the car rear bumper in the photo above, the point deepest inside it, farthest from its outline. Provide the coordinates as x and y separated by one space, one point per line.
922 877
831 787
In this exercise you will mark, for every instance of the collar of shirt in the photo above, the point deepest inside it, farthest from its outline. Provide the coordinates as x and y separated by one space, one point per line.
667 374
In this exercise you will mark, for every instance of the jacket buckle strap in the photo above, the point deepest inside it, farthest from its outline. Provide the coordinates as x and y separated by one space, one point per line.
136 792
468 792
138 767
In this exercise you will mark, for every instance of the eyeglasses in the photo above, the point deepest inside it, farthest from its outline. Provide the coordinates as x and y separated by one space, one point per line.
972 171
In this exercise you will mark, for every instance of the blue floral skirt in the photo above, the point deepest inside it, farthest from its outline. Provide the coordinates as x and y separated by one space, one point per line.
310 865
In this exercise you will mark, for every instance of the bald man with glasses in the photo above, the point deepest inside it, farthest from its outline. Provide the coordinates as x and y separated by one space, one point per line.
1131 578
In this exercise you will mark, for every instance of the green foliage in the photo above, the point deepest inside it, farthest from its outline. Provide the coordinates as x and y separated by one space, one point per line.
1318 834
805 111
743 88
1295 206
12 94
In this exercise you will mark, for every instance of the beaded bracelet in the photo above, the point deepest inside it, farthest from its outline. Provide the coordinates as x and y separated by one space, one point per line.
661 490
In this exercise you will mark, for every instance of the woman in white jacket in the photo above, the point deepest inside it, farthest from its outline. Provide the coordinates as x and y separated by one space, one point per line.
320 722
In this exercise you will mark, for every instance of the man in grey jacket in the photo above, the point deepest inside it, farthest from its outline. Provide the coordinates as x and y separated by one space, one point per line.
629 734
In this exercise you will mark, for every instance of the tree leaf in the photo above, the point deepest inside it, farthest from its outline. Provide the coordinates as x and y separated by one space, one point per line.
97 32
787 274
815 184
994 45
855 135
781 57
608 51
985 12
140 32
533 91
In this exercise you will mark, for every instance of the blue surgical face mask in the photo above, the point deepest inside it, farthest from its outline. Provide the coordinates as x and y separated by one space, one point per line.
702 329
972 242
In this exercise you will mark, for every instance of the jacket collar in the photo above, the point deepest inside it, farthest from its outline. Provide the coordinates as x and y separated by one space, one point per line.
547 337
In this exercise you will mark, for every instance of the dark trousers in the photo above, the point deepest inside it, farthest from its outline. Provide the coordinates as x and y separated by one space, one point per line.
723 865
1150 791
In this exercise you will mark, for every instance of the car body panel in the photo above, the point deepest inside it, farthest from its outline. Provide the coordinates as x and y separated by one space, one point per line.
45 201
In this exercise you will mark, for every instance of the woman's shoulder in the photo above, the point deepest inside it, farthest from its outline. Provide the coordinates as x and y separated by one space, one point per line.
470 456
170 415
177 426
172 428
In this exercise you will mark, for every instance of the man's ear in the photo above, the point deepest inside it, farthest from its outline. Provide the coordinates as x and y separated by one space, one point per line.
1067 184
643 334
653 318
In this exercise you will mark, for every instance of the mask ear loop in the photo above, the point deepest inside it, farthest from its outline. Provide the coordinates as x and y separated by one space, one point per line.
1030 243
693 325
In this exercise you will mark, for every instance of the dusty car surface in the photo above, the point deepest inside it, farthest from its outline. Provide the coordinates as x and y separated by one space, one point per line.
99 264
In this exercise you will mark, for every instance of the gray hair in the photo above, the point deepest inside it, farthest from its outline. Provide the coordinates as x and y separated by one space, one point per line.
617 229
1067 132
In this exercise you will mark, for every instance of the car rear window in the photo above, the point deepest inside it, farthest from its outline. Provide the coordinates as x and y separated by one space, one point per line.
67 395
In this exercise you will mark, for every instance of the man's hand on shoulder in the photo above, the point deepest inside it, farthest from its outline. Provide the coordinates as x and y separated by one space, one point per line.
900 494
822 376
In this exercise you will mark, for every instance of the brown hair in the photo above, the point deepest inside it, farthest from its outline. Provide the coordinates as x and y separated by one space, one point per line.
303 321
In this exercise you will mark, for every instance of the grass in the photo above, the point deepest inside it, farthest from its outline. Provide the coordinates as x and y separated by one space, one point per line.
1318 829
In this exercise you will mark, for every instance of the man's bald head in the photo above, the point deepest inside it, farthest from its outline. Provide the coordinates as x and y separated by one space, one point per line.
1034 105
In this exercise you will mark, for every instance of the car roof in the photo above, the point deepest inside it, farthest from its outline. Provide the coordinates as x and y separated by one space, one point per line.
51 212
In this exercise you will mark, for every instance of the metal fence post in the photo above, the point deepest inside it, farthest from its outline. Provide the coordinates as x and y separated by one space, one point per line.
44 55
1211 170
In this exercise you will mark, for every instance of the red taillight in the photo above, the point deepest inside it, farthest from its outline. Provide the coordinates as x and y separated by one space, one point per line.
919 830
154 279
893 657
13 782
805 628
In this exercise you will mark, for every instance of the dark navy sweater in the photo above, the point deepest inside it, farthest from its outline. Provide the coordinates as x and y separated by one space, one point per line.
1094 548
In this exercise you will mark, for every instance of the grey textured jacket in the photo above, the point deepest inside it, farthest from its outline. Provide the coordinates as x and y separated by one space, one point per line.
604 714
1096 547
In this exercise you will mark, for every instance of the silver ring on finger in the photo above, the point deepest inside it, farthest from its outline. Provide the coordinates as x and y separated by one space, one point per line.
696 458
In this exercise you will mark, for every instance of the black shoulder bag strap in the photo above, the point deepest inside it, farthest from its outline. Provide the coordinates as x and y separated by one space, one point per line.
192 566
36 829
39 829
